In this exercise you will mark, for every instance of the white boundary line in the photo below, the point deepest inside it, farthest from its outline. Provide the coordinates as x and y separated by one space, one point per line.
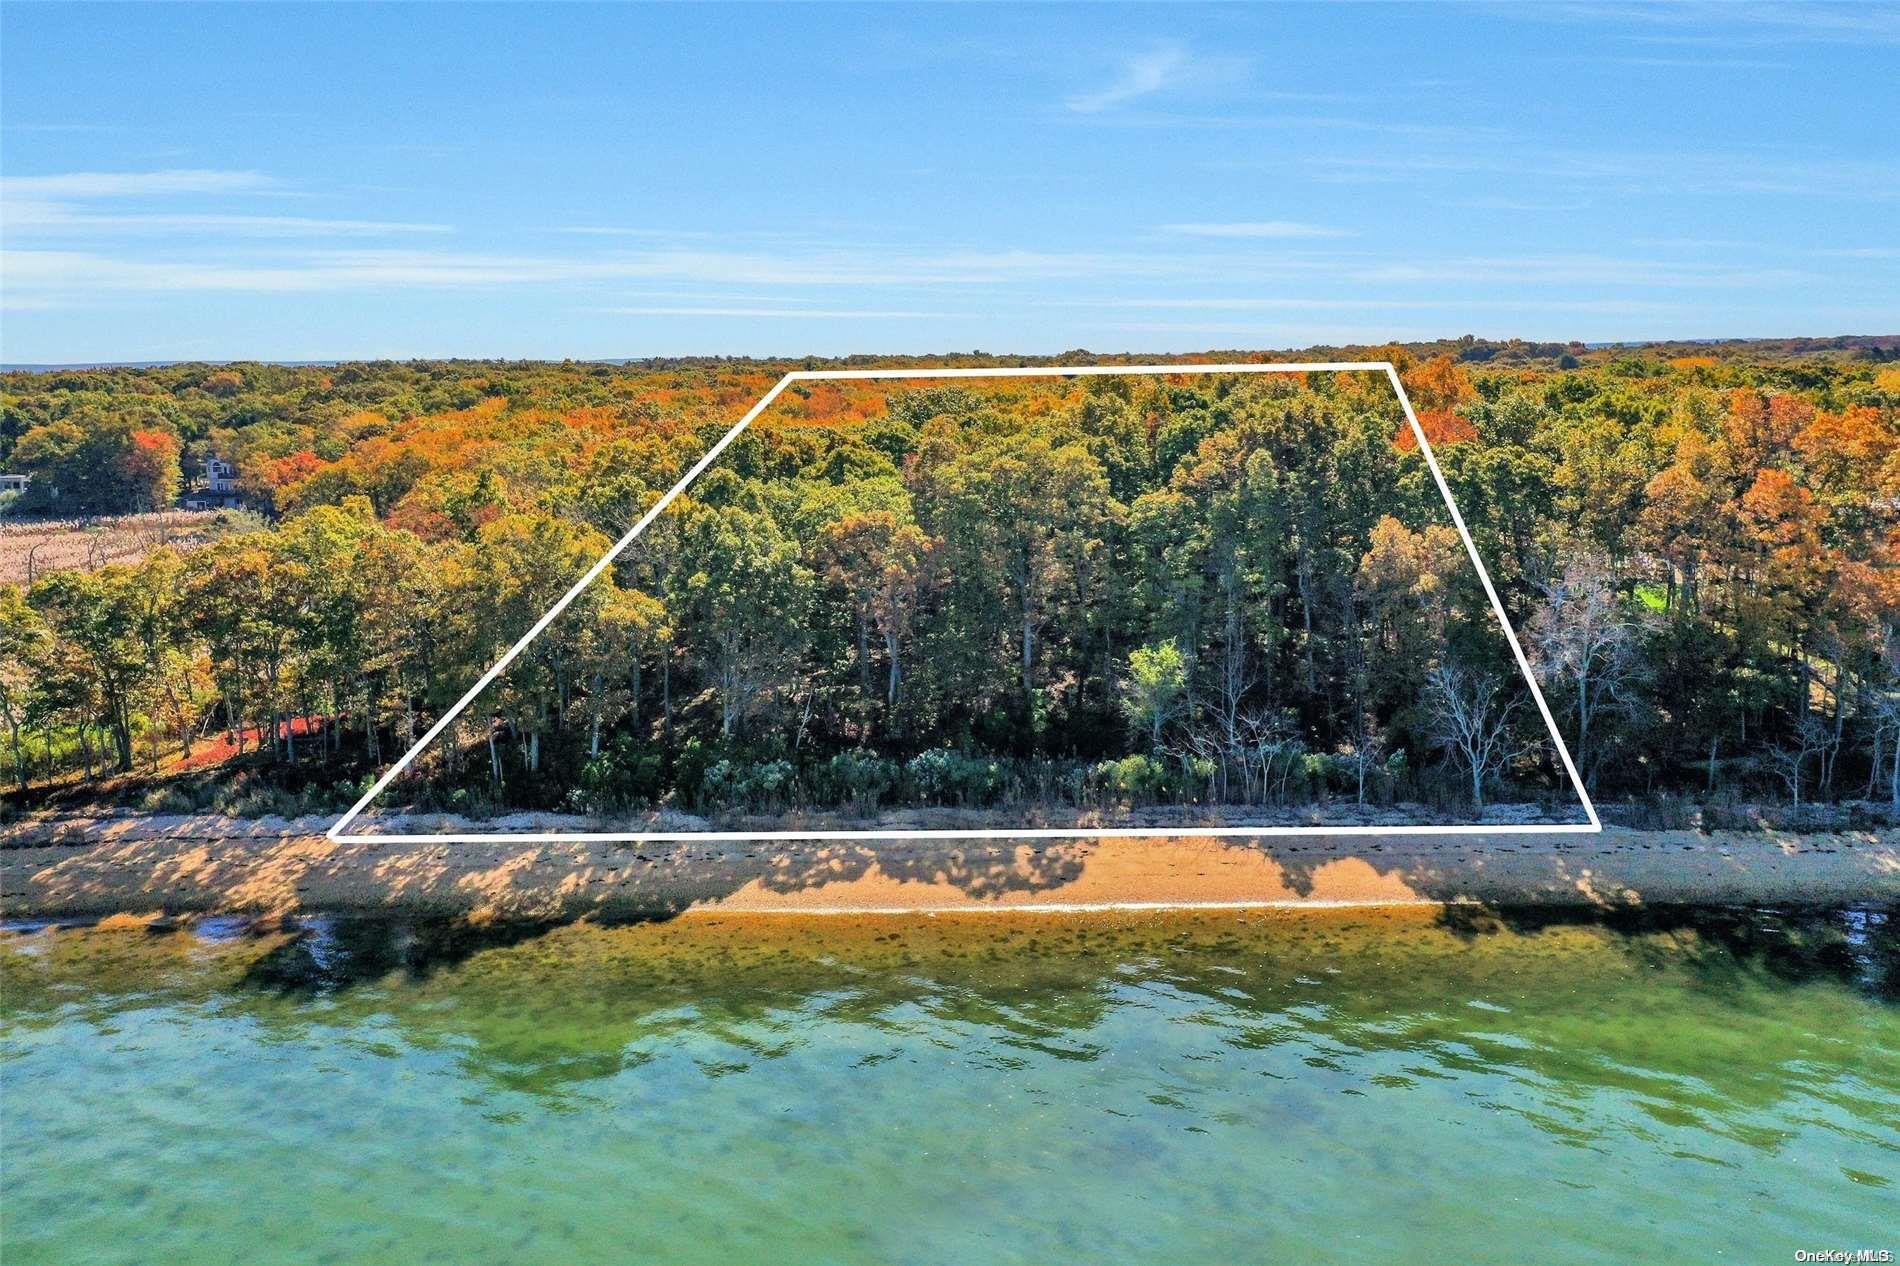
993 909
1595 824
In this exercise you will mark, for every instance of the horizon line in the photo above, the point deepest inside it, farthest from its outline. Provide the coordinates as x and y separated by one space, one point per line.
1878 341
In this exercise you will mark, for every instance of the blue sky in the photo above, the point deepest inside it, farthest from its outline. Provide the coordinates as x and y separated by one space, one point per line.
346 181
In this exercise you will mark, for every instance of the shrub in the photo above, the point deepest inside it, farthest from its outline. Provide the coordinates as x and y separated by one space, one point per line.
742 784
262 801
1311 777
1057 782
942 776
1660 811
168 800
1197 775
621 777
1398 775
719 784
770 777
690 767
471 803
859 777
1137 777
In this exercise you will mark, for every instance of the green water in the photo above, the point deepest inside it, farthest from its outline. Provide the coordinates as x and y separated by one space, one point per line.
1220 1089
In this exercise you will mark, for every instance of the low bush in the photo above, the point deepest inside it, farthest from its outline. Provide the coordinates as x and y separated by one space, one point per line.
169 799
861 779
623 776
943 776
748 785
1138 778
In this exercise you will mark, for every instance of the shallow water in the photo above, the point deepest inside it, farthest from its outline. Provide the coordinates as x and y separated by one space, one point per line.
1221 1088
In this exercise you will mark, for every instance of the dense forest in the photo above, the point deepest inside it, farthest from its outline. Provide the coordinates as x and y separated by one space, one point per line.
1220 589
1116 591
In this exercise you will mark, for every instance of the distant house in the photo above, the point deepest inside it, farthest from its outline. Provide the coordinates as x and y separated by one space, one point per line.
220 475
217 488
14 483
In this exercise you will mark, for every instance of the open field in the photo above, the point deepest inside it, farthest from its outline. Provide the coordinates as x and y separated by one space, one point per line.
33 547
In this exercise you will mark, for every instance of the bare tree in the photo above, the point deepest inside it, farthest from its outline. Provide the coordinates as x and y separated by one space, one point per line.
1267 740
1199 748
1884 738
1472 721
1789 758
1367 751
1583 641
1883 734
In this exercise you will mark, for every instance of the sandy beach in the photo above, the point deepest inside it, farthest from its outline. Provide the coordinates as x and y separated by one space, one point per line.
178 865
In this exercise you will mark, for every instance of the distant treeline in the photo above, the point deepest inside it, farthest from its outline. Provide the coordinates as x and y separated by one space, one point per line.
1196 588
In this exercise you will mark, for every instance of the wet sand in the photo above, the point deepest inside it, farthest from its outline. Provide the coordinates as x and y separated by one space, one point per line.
177 865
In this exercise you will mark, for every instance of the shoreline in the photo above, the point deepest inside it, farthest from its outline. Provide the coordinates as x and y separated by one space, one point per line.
947 822
141 864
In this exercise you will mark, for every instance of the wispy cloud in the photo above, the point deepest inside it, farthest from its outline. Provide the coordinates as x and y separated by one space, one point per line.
1631 172
856 266
1728 24
1257 229
1370 303
80 272
852 314
794 275
62 218
787 282
1144 75
1540 270
1701 63
615 230
1529 205
1295 124
132 184
8 125
1857 252
89 203
71 272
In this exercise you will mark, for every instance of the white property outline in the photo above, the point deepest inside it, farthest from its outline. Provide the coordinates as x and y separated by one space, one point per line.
1594 825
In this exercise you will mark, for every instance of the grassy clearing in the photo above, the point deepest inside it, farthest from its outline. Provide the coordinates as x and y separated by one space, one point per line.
33 547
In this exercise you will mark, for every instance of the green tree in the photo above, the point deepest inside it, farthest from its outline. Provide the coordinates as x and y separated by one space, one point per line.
1032 513
879 561
1154 689
96 614
25 643
521 567
746 594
